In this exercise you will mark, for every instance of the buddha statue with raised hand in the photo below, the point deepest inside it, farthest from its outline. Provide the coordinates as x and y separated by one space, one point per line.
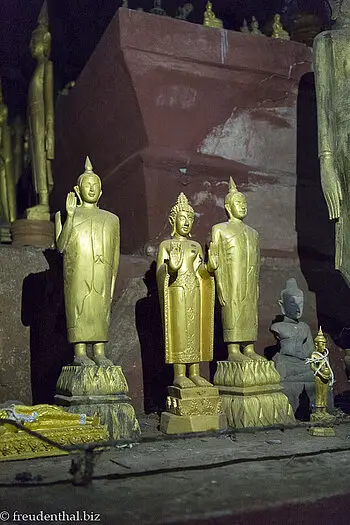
89 241
186 292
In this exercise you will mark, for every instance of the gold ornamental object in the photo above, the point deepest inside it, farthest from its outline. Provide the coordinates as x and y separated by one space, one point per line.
277 29
324 380
51 422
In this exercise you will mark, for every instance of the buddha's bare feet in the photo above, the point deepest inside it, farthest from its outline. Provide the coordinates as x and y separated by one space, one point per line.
101 360
200 381
183 382
251 354
82 360
237 357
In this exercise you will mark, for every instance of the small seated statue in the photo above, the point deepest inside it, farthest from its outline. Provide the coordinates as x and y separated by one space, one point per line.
183 12
210 19
245 28
254 27
296 344
324 377
278 31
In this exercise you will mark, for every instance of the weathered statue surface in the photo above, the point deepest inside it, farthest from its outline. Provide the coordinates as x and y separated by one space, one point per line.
293 334
234 257
90 243
332 74
41 117
186 292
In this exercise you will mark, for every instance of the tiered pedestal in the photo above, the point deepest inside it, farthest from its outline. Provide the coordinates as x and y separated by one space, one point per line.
251 394
99 390
196 409
37 233
325 430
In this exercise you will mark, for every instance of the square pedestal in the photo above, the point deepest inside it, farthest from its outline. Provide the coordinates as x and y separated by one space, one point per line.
99 390
192 410
251 394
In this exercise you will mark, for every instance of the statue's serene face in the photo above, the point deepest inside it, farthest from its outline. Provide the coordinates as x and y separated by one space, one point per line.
90 189
238 206
183 223
320 346
293 306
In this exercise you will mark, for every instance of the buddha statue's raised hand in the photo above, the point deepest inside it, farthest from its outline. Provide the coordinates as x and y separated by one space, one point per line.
71 204
176 256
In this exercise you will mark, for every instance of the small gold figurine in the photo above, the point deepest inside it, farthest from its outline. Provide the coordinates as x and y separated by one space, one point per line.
245 28
278 31
7 179
90 243
186 292
234 257
210 19
254 27
324 377
41 117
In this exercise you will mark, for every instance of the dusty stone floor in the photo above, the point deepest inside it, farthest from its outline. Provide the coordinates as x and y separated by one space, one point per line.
256 477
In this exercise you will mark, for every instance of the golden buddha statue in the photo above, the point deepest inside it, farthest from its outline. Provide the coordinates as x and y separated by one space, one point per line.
90 243
18 130
7 182
210 19
41 117
186 292
324 377
234 257
331 61
277 29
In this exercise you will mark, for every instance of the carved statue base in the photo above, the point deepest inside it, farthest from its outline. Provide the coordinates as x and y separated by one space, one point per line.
192 410
322 431
51 422
26 232
5 233
101 390
251 394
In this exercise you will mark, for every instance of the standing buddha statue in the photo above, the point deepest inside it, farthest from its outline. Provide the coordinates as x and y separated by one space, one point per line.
234 257
89 241
332 71
41 117
7 181
186 292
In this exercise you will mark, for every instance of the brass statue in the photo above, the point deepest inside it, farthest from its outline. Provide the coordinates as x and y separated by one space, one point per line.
254 27
18 130
324 377
7 181
90 243
210 19
331 61
234 257
278 31
186 292
41 117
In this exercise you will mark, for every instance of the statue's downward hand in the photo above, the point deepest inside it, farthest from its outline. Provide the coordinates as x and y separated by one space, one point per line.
71 204
331 190
213 256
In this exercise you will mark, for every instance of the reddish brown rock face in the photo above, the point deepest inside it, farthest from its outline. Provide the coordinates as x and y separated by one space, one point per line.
165 106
